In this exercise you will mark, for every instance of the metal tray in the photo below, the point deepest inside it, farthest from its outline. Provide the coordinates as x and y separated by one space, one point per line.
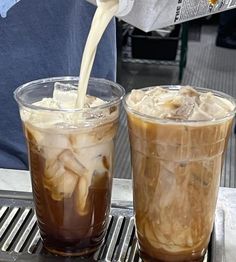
20 240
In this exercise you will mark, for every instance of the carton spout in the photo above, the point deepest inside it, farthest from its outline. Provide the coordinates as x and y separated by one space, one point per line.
124 6
150 15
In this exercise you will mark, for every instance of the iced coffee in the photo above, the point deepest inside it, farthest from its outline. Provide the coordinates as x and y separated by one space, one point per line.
178 138
71 160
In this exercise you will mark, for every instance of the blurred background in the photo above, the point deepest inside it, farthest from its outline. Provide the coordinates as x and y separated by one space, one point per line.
187 54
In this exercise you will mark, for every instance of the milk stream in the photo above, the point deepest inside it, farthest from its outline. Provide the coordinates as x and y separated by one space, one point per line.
103 15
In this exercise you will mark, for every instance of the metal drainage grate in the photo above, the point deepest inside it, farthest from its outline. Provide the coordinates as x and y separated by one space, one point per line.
20 240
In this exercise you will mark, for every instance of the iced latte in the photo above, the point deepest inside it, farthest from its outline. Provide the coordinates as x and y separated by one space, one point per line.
178 137
71 159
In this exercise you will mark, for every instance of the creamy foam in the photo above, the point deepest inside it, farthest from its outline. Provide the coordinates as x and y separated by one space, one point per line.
183 104
64 98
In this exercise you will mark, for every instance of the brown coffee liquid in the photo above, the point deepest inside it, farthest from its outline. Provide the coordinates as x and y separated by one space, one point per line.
176 172
66 228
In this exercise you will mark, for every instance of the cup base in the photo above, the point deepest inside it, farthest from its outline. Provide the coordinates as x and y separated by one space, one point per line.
146 258
86 252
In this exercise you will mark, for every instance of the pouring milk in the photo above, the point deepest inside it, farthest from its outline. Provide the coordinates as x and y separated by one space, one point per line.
103 15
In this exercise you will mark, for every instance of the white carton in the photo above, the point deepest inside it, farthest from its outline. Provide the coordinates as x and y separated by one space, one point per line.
149 15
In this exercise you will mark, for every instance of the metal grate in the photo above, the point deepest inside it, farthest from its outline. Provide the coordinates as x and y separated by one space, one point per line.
122 152
20 240
228 178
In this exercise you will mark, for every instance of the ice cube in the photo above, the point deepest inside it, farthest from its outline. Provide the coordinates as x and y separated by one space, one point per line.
224 103
213 110
66 184
213 106
44 118
198 113
181 108
81 140
53 144
81 196
53 171
49 142
93 137
53 168
50 154
65 95
105 132
92 101
71 162
183 104
189 91
92 157
102 166
59 181
33 135
47 102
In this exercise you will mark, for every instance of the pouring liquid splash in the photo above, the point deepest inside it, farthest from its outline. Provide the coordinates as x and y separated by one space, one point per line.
103 15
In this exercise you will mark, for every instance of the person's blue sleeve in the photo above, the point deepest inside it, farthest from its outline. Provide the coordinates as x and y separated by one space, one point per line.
41 39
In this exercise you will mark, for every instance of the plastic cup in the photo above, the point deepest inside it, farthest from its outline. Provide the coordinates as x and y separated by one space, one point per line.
176 169
71 163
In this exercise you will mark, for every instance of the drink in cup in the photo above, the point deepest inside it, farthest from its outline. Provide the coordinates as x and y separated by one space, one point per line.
71 159
178 137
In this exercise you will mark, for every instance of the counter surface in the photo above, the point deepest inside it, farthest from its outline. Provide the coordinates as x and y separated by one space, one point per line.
16 180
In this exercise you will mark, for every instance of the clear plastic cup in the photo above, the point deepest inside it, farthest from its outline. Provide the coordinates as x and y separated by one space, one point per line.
176 169
71 163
